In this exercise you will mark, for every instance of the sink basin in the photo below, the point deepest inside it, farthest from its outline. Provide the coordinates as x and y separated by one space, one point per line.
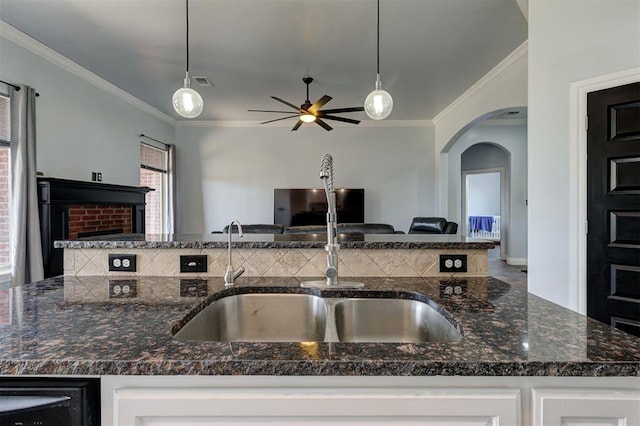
391 320
285 317
253 317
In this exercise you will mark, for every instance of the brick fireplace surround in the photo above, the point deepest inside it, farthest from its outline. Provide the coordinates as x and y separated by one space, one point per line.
94 219
73 209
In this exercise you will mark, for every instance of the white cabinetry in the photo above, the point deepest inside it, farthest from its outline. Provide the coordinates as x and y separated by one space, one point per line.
360 401
317 407
585 407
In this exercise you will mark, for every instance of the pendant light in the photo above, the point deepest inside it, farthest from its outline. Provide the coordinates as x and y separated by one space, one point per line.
186 101
379 103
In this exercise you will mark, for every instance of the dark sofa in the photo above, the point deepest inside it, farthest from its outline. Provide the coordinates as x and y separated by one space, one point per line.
342 228
257 228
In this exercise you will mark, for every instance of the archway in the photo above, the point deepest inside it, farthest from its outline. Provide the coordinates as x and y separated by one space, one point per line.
507 130
485 213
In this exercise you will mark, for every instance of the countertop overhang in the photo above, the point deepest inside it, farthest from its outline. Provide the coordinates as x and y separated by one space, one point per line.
253 241
80 326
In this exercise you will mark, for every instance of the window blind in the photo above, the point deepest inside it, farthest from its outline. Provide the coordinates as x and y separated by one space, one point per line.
153 158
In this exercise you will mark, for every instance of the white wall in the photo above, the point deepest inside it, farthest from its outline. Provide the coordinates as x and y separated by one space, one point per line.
569 41
483 194
80 127
230 172
503 87
514 140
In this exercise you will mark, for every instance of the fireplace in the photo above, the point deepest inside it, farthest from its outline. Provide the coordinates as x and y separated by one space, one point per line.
91 220
74 209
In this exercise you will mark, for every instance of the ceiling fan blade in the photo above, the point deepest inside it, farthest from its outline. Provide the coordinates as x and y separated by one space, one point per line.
268 110
346 120
297 126
319 104
324 125
337 110
287 103
278 119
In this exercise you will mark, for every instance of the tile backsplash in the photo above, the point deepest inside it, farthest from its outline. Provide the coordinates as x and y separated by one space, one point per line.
278 262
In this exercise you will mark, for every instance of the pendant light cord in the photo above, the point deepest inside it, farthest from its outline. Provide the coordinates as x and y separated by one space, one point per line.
187 35
378 40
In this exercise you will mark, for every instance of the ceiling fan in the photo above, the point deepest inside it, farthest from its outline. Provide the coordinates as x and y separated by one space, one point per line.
308 112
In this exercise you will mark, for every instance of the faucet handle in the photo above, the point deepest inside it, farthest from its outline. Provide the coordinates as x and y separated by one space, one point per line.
239 272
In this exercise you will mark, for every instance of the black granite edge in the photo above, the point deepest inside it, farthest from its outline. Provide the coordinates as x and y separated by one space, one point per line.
77 244
319 368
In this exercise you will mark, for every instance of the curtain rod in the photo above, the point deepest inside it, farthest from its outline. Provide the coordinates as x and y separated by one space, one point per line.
142 135
15 86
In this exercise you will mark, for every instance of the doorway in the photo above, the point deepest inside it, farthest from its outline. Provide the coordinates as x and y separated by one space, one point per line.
484 205
613 207
485 201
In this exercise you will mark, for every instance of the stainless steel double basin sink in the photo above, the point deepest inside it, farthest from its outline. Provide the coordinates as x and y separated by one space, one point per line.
285 317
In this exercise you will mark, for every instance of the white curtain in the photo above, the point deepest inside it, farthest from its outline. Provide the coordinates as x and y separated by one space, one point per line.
26 249
172 205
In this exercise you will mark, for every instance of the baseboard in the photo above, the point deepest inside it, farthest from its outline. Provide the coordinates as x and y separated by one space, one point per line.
516 261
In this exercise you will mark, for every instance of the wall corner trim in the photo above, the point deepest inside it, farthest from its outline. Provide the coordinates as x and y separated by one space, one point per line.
23 40
516 261
514 58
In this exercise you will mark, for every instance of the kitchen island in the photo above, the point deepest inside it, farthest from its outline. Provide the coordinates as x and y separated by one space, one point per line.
518 353
299 255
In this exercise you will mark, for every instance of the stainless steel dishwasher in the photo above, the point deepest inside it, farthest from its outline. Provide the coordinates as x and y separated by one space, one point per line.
27 401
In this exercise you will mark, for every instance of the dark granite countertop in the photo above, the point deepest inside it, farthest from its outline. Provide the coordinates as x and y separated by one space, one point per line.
252 241
96 326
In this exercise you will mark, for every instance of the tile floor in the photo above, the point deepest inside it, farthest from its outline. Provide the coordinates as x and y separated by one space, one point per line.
499 269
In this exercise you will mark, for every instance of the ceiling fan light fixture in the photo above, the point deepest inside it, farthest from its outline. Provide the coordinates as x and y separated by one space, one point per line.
308 118
379 103
310 112
186 101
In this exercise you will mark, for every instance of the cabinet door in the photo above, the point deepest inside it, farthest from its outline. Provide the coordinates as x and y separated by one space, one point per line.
317 407
582 407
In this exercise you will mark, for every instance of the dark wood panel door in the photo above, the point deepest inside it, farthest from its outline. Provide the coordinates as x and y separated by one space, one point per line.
613 207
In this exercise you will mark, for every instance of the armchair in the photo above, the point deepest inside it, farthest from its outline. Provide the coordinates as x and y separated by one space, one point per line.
432 225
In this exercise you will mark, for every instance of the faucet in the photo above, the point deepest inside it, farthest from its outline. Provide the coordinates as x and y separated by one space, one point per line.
332 246
231 275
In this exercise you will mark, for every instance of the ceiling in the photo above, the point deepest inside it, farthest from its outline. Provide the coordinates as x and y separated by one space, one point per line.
431 51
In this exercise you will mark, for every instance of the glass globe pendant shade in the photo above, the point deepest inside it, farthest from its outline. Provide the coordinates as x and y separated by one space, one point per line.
186 101
379 103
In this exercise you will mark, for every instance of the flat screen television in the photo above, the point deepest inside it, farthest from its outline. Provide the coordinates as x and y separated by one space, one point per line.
296 207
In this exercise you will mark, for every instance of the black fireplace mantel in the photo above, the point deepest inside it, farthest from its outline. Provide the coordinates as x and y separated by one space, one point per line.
55 196
65 191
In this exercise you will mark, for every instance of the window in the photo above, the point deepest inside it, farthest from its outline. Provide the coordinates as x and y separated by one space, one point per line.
153 173
5 180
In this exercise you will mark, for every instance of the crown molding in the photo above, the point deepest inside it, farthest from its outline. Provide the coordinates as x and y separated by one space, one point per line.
34 46
282 124
513 59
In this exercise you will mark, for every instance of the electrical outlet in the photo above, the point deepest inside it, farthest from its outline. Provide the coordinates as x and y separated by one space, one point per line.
122 262
194 263
453 263
121 289
96 176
